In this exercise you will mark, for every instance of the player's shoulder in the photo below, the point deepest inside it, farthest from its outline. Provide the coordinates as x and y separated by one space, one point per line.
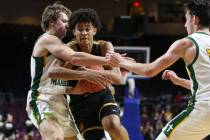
48 39
41 47
184 42
102 42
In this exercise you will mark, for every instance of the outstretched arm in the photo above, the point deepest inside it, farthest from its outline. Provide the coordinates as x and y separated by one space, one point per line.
176 80
177 50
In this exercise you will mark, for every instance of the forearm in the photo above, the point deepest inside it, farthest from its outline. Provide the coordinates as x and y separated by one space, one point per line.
138 68
114 75
183 83
85 59
66 74
78 58
148 69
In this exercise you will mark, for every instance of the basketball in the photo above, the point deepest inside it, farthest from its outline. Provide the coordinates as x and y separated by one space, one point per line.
90 86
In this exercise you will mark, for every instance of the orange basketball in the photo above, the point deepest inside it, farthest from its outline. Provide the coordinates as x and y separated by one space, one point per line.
89 86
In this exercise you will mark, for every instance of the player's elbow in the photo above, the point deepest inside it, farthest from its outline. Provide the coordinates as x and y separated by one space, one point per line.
62 54
74 60
58 52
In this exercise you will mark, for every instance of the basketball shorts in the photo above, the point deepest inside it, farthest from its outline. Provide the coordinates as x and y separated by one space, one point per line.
191 124
42 108
90 108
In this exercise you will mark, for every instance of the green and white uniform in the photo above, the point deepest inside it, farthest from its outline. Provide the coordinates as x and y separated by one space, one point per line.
194 123
46 97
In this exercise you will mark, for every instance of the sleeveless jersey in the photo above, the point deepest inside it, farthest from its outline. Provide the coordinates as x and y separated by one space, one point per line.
94 51
46 94
199 69
40 80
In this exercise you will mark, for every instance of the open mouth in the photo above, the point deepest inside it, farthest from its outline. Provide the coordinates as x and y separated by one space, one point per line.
84 39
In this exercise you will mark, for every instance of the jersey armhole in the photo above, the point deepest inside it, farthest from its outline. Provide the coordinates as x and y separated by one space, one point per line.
197 50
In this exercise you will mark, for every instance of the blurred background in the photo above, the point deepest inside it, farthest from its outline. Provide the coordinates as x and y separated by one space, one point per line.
152 23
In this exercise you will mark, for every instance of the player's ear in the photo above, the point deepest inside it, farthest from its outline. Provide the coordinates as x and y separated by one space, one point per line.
73 31
196 20
51 22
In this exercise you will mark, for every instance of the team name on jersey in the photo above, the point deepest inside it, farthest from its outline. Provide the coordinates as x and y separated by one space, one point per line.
208 52
59 82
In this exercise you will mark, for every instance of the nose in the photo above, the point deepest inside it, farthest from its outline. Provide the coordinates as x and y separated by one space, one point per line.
83 32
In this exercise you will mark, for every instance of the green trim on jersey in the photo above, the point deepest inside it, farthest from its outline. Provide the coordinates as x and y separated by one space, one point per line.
197 49
191 69
173 124
194 81
202 33
39 64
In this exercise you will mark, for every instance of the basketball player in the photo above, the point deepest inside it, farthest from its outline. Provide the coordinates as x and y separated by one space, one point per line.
47 106
96 109
193 123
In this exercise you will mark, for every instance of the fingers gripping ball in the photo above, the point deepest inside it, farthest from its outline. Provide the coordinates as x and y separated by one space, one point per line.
90 86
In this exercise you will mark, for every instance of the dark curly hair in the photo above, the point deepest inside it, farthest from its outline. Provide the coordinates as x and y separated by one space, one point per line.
199 8
84 15
52 12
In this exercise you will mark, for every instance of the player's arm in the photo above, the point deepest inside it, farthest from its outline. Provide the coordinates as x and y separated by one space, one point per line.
57 70
176 80
177 50
61 51
112 72
86 59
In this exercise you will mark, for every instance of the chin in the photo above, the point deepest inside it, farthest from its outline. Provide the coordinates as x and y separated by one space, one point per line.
84 42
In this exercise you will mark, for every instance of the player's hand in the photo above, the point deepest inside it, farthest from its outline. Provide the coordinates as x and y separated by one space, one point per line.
98 77
170 75
114 59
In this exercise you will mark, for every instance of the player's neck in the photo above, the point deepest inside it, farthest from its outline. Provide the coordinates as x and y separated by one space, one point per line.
204 30
86 47
52 32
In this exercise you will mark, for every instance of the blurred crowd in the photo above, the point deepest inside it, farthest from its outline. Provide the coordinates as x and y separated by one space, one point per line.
155 113
9 130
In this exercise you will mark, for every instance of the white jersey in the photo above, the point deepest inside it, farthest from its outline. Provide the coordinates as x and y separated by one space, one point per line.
46 94
193 123
40 80
199 69
46 98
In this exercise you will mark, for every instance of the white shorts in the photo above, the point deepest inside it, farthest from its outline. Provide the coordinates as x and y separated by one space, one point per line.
191 124
45 106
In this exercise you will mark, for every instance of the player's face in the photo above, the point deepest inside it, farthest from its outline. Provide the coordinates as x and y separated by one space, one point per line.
61 25
189 23
84 33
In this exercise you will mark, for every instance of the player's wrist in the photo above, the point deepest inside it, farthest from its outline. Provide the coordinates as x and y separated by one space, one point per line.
105 61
